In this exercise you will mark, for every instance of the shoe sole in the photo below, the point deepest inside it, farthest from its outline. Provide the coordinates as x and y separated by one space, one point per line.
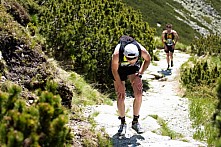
137 131
120 134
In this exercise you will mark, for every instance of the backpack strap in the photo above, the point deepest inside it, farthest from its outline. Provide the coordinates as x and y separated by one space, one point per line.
138 46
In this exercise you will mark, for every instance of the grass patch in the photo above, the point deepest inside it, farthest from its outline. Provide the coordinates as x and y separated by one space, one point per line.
104 140
85 94
91 119
203 101
207 19
95 114
157 51
202 108
158 42
94 136
154 64
165 130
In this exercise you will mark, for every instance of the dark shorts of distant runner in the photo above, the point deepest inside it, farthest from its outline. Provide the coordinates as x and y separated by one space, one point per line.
169 49
124 71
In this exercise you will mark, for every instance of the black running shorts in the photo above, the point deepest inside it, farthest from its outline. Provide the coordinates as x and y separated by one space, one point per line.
169 49
124 71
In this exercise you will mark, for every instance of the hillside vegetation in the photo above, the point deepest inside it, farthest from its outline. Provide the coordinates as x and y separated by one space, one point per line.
189 22
84 33
161 12
201 77
38 99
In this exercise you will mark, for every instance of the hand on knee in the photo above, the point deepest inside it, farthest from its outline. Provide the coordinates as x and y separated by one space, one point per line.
121 92
137 83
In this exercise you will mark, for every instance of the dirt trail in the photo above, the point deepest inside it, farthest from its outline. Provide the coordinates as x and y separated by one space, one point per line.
161 99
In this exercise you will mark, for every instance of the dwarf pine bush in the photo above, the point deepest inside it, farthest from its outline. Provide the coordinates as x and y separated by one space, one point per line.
41 124
200 71
207 45
200 76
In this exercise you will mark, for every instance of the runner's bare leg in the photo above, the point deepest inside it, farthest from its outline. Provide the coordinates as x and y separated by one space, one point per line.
120 102
137 86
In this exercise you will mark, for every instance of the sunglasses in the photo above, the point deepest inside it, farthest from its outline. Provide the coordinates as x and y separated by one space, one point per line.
129 59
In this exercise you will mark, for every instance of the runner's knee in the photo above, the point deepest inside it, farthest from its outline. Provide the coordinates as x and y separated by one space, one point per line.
137 87
120 99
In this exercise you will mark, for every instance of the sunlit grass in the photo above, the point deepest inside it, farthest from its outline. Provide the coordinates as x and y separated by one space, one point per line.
203 104
104 142
164 129
202 108
85 94
127 111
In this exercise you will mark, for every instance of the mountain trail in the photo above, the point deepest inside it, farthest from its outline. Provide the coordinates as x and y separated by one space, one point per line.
162 100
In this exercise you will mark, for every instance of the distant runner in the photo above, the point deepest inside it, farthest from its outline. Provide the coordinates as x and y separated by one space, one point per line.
169 39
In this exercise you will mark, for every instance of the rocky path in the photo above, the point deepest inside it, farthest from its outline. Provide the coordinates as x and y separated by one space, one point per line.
162 100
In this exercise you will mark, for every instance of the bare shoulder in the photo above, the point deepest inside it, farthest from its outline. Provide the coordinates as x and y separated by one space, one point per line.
164 31
145 55
144 52
141 46
115 55
116 50
173 31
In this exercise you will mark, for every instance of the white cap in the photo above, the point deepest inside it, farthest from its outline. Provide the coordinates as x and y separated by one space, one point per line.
131 51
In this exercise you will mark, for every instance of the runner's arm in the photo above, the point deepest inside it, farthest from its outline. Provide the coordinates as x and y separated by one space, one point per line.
163 38
147 58
176 37
115 65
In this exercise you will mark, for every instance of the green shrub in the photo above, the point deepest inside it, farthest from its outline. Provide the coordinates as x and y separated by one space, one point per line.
202 71
41 124
210 44
199 75
86 32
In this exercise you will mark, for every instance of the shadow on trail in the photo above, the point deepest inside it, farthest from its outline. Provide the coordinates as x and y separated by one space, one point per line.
166 72
124 141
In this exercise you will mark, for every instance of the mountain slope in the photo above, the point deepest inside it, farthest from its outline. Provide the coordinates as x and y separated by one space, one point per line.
189 18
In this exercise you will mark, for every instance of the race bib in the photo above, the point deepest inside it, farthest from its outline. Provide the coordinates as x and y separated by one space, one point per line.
169 42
